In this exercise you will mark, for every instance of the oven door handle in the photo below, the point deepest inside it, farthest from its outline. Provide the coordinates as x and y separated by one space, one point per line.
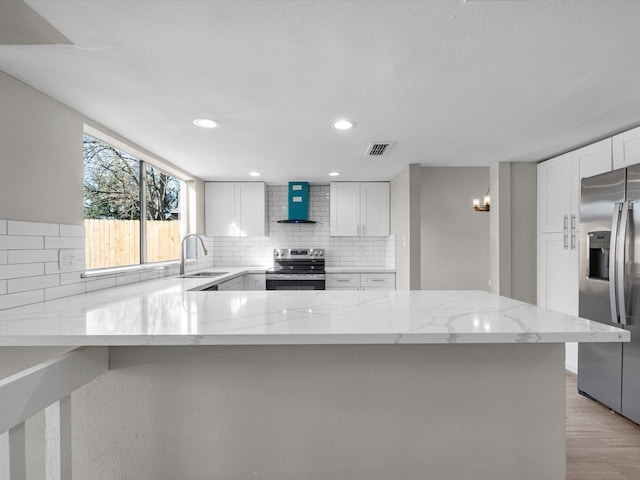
295 276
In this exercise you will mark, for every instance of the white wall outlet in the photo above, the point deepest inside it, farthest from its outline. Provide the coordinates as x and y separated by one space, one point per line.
66 260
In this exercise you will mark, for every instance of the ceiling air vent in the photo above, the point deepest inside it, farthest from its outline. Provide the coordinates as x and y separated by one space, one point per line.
379 148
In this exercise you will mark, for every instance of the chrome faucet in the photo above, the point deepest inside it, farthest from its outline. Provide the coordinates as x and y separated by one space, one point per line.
184 253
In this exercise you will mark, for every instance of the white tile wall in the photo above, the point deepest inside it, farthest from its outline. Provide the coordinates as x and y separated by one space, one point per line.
340 251
30 272
30 228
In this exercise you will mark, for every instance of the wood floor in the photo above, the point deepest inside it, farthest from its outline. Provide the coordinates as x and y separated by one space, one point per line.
600 444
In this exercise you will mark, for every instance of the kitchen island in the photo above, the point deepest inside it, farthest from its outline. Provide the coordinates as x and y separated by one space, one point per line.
313 385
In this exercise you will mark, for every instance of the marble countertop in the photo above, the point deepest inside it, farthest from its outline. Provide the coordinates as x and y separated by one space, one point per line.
166 312
360 270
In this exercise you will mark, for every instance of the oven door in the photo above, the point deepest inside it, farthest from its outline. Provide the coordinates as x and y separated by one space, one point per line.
295 281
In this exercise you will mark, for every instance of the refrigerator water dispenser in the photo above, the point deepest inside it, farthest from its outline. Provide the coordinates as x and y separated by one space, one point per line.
599 244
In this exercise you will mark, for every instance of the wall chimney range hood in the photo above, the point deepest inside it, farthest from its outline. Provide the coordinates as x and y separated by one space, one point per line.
298 195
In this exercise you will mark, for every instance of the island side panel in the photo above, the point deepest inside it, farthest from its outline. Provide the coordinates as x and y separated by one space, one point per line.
325 412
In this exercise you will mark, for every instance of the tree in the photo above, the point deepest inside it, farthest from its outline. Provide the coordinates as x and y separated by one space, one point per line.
112 185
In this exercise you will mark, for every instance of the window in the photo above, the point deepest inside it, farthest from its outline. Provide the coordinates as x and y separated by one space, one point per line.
115 182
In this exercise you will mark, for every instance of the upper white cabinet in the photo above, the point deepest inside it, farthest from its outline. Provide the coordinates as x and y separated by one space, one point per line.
235 209
595 159
559 185
359 209
626 148
558 194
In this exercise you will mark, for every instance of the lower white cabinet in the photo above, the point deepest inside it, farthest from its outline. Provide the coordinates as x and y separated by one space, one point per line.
360 281
233 284
254 281
558 275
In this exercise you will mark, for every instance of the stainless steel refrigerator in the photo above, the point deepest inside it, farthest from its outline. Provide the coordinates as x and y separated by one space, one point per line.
610 287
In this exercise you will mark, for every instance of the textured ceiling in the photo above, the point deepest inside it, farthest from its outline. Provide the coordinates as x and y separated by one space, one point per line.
453 83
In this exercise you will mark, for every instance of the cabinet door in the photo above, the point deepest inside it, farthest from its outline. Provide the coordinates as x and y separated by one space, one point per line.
558 270
374 209
378 281
344 209
234 284
219 212
254 281
250 209
555 193
626 148
595 159
342 281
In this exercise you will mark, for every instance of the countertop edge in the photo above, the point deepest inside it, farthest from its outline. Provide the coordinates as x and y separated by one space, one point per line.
309 339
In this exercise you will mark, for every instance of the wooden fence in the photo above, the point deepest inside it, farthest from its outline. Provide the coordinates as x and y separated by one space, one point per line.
115 243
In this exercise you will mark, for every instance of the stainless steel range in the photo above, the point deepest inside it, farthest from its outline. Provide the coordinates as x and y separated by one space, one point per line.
297 269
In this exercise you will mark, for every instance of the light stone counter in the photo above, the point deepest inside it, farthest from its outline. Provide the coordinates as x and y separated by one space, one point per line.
360 270
322 385
165 312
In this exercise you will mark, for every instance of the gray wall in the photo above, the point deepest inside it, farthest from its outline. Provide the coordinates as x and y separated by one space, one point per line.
513 230
316 412
405 190
454 237
40 156
523 231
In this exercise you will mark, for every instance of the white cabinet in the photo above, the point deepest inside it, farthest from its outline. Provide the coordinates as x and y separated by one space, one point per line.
231 285
342 281
254 281
360 281
558 227
559 185
378 281
235 209
359 209
595 158
626 148
558 194
558 272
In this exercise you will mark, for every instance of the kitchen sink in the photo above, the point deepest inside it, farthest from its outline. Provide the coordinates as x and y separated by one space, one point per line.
203 274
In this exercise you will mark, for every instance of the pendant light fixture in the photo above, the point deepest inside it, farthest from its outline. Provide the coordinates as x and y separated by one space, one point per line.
486 206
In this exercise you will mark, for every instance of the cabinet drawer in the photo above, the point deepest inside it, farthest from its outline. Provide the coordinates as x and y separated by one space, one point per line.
384 280
344 280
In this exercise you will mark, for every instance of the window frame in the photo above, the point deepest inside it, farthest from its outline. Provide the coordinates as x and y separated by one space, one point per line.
144 159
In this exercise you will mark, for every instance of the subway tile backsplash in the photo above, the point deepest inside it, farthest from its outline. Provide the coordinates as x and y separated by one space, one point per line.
30 267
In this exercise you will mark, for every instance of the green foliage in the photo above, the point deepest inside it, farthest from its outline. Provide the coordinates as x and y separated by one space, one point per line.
112 185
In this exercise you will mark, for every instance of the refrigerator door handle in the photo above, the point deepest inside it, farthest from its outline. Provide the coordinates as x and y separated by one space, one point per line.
621 254
613 245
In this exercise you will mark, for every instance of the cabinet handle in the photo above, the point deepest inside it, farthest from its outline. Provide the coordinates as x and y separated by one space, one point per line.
342 280
573 241
565 223
566 241
363 229
573 223
377 279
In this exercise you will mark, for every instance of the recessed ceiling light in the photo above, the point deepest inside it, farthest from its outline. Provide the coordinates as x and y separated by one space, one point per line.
205 123
343 124
334 174
254 174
